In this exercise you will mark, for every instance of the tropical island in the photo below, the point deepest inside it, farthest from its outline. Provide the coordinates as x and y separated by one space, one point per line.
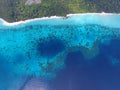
80 50
16 10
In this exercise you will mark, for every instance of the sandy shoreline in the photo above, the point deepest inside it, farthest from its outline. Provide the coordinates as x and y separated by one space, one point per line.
5 23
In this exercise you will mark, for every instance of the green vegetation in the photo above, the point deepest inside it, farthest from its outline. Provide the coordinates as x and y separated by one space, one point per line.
15 10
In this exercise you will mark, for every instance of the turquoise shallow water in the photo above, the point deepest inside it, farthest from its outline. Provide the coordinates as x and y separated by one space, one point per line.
77 52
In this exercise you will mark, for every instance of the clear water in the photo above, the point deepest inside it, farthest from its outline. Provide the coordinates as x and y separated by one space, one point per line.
80 52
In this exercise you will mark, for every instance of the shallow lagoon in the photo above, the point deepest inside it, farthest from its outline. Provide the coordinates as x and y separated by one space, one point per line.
77 52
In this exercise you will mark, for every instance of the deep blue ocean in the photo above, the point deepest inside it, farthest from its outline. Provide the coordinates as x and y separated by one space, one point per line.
80 52
96 74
